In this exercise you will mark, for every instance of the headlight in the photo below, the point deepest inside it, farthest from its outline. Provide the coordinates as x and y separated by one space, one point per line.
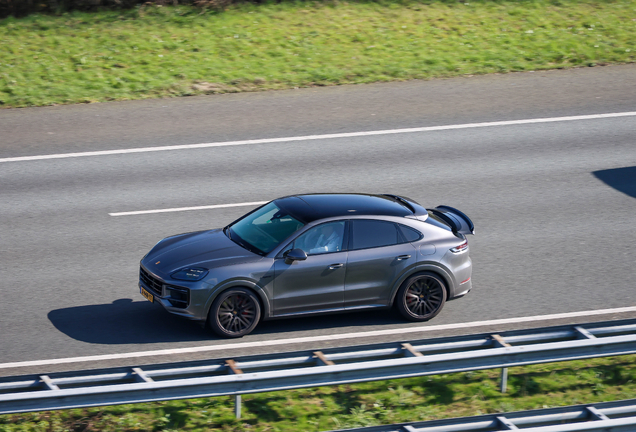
190 274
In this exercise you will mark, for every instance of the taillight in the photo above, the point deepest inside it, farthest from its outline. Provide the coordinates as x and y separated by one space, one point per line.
461 248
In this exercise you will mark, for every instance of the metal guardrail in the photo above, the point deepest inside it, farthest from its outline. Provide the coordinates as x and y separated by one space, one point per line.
601 417
318 368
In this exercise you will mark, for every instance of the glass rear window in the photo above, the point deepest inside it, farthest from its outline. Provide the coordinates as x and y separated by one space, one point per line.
437 221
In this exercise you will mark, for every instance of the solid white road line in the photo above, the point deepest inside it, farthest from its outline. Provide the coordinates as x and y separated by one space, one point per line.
180 209
321 338
318 137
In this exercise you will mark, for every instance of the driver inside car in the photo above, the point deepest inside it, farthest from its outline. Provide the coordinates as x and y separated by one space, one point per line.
327 239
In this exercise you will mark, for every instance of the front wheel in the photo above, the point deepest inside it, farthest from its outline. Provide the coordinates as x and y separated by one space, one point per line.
234 313
421 297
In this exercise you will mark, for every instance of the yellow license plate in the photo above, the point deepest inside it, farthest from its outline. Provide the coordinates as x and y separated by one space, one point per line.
146 294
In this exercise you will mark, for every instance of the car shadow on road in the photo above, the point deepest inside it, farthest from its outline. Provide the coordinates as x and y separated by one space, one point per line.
621 179
125 322
139 322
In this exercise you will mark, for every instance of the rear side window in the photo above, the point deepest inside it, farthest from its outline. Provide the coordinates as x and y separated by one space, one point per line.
372 233
410 235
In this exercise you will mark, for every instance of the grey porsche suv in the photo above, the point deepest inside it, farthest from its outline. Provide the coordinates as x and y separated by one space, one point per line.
313 254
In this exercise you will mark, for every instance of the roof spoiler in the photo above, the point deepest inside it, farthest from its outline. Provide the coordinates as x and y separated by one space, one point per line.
457 220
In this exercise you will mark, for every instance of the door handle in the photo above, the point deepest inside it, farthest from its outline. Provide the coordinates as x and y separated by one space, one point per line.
403 257
335 266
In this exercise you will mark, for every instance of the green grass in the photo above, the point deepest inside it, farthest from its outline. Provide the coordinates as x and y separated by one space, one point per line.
172 51
346 406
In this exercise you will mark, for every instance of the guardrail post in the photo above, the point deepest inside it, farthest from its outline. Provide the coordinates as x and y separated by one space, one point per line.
503 384
596 414
48 383
507 424
583 333
409 351
321 359
504 380
237 398
237 406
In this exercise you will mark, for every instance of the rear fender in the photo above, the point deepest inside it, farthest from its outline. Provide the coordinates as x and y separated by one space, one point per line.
432 267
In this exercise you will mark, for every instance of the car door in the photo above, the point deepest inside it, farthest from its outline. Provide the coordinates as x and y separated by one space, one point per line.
317 283
378 255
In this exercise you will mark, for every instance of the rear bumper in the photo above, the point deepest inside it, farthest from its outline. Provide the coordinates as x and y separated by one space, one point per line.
463 289
461 268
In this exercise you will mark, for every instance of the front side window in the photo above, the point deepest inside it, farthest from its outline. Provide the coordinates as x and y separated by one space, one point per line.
320 239
264 229
372 233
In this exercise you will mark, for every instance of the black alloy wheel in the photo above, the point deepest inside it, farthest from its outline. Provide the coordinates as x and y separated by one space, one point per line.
421 297
234 313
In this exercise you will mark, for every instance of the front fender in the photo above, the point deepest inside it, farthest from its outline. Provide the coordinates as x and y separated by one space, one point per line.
242 283
430 267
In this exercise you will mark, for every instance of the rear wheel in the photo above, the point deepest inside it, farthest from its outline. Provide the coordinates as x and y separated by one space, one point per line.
421 297
234 313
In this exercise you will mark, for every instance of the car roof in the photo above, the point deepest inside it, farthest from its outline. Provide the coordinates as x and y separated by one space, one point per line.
312 207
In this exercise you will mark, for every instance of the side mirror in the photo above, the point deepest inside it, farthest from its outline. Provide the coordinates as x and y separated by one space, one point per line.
295 255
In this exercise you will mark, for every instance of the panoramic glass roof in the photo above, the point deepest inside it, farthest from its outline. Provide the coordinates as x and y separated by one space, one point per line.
312 207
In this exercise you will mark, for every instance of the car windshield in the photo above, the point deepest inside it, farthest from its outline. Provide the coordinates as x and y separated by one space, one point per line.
264 229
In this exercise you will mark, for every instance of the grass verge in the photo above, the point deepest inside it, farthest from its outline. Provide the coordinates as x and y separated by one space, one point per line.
155 51
368 404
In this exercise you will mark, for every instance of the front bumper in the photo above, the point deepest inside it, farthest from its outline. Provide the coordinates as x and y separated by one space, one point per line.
181 300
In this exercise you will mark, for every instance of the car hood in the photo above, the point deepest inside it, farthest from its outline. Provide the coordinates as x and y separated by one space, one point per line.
208 249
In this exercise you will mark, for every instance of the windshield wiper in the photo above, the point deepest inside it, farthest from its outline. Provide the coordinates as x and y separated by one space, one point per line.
250 248
245 245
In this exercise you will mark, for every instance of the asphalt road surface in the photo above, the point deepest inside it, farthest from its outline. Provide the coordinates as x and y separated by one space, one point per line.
554 204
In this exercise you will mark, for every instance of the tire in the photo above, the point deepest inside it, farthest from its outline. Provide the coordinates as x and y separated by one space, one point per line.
234 313
421 297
